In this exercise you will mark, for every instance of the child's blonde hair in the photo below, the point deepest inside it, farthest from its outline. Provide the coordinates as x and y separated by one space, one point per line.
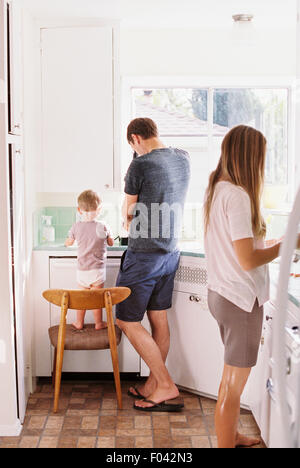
89 201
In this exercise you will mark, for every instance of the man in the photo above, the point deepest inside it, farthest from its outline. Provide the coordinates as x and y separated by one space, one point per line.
155 188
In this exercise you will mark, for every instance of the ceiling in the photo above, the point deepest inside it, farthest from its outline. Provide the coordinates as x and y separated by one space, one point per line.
210 14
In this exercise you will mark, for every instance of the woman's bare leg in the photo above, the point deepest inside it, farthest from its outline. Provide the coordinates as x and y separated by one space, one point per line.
228 408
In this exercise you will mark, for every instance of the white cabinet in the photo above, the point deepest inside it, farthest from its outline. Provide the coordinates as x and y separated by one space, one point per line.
77 108
196 358
15 68
260 382
60 272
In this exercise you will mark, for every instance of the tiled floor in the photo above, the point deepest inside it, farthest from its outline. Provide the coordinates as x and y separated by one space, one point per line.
88 418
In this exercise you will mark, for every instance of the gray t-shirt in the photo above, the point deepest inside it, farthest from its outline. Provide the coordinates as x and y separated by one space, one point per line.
92 246
160 179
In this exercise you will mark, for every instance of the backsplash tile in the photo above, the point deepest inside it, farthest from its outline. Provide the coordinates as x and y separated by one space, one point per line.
64 217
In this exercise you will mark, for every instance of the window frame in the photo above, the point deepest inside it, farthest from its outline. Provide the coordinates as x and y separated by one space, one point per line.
210 84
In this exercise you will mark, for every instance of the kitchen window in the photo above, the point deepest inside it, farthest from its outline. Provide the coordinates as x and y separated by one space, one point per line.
197 119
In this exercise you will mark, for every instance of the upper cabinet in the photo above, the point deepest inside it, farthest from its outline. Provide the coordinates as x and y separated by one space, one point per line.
78 108
14 67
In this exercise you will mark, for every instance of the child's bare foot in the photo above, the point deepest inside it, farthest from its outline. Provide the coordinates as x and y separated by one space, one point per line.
78 325
100 325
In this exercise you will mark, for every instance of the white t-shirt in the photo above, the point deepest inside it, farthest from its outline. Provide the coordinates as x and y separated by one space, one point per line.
230 220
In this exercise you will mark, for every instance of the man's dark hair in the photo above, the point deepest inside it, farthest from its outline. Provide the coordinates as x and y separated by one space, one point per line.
143 127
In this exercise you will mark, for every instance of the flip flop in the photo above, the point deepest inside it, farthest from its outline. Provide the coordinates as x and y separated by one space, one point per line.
165 406
139 396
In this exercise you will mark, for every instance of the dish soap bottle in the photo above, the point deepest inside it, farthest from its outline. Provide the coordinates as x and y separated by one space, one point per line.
48 231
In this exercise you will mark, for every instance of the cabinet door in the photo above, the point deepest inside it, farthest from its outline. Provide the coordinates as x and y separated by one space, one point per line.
77 109
196 353
16 172
15 68
63 275
258 387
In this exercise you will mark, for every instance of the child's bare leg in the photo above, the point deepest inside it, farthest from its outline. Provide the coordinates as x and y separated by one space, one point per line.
99 324
80 314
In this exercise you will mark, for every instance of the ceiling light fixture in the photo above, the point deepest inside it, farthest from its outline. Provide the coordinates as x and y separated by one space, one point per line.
242 18
243 31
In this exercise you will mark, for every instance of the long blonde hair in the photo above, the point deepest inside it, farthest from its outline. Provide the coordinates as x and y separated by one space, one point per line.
242 163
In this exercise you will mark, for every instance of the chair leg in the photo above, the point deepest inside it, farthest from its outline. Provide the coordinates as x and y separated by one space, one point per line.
115 363
60 349
59 364
54 367
113 348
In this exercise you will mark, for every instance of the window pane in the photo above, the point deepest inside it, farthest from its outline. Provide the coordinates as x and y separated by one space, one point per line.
267 111
176 111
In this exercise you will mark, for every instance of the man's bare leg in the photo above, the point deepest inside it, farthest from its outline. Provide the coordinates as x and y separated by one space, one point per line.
145 345
161 334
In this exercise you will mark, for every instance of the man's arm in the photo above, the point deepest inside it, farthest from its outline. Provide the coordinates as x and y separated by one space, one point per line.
128 209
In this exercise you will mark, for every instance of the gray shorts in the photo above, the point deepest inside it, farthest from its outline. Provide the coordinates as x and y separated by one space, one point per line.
240 330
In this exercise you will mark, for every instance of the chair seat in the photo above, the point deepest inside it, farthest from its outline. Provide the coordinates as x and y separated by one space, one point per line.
86 339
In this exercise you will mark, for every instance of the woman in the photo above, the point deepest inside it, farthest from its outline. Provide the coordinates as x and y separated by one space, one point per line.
238 277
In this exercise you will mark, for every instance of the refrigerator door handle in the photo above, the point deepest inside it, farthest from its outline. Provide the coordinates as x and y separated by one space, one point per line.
270 389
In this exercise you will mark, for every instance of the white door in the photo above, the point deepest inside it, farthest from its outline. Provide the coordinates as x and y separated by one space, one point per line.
77 109
63 276
18 241
195 359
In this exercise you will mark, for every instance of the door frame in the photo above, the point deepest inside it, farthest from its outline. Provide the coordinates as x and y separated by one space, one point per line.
9 422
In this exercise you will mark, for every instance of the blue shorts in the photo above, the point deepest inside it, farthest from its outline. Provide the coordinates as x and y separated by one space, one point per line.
150 276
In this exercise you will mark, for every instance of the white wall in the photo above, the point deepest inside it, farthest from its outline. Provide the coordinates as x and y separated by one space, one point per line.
32 150
191 37
207 52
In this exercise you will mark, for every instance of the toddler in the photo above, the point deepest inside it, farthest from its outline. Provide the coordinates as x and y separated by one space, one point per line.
92 237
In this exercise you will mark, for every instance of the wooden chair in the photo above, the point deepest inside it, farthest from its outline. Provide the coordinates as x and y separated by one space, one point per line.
67 337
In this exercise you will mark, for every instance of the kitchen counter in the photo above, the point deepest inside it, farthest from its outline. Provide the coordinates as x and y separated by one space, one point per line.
294 284
60 247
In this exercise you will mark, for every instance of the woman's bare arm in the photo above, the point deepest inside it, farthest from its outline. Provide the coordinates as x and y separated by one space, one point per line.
250 258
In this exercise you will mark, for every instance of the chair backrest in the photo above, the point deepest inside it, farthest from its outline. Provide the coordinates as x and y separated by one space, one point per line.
86 299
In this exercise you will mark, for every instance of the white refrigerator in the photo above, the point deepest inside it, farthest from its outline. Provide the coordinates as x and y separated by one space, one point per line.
285 362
